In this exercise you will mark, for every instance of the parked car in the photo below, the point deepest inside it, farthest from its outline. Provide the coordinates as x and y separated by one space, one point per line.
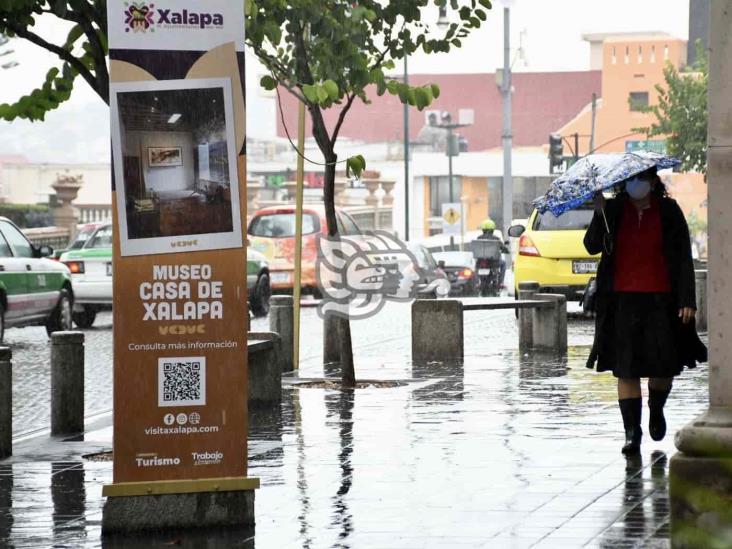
258 282
433 280
551 252
461 272
84 232
91 274
34 290
272 233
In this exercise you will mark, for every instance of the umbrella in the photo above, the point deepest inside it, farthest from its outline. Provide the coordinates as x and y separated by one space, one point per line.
595 173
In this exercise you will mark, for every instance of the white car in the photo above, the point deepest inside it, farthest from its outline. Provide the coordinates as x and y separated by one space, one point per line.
91 275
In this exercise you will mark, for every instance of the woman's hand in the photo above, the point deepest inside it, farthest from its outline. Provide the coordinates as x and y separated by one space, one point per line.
686 314
599 201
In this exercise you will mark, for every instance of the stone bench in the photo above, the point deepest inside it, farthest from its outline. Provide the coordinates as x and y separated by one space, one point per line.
438 330
265 369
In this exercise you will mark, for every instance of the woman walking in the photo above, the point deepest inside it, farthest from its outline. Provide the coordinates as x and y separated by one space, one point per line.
646 299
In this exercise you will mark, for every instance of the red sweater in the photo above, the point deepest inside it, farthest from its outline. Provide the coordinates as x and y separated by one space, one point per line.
640 265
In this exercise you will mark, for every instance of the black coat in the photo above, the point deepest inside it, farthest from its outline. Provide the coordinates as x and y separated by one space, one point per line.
680 265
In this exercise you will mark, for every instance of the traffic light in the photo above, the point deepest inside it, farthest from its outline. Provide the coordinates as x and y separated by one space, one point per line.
556 151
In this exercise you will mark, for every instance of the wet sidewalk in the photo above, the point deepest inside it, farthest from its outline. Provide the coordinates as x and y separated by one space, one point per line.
502 451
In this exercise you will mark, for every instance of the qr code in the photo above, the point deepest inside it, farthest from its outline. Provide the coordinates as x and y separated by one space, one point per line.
182 381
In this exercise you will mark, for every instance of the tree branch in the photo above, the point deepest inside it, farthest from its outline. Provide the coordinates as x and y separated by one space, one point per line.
341 118
65 55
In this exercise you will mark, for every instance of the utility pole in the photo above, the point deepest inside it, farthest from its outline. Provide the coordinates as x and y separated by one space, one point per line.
406 157
594 117
507 129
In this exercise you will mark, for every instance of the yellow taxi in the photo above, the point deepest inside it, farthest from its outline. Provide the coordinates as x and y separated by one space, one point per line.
551 252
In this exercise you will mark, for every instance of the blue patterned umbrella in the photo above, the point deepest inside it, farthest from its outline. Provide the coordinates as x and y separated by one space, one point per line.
595 173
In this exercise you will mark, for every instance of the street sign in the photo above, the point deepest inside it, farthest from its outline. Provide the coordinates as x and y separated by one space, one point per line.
180 289
653 145
452 218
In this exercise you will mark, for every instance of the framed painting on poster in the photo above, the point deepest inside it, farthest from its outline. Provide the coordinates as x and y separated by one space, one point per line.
173 131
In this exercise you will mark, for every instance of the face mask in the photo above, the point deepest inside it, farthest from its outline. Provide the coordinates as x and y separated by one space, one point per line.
638 189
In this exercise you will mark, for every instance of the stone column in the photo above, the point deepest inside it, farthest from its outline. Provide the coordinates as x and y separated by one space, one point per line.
701 300
388 198
67 188
6 403
527 290
372 186
282 322
437 330
701 473
67 382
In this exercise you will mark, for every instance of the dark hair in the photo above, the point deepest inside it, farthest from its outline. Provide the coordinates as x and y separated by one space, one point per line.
651 175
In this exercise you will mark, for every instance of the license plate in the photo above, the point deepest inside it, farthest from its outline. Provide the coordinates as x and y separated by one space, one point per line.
584 267
484 272
109 269
280 277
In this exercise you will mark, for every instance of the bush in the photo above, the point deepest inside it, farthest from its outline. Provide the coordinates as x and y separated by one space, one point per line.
27 216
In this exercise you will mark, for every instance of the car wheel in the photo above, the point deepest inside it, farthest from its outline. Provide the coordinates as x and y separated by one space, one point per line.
60 319
84 319
260 296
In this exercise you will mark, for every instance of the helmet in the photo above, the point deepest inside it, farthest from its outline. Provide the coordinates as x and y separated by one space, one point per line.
487 225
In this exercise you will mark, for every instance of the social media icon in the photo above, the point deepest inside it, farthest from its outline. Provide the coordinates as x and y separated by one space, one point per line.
194 418
169 419
182 419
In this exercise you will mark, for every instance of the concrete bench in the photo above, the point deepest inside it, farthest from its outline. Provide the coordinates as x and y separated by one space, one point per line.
438 331
265 369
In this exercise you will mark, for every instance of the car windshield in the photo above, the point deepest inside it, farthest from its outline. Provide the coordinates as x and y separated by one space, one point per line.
572 220
82 238
455 259
102 238
282 225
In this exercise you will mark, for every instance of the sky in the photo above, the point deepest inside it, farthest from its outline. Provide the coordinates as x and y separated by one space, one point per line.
550 32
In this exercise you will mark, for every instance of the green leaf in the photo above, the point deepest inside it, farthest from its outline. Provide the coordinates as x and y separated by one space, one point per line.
75 33
435 90
376 75
268 83
331 89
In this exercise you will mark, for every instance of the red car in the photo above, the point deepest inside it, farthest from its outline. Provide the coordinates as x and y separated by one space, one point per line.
272 232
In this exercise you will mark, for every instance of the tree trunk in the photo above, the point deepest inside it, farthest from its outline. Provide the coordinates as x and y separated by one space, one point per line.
336 330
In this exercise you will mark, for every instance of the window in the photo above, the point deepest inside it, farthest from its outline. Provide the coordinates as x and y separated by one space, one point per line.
348 225
653 54
82 237
640 54
615 57
440 193
102 238
638 101
627 54
282 225
572 220
19 243
4 248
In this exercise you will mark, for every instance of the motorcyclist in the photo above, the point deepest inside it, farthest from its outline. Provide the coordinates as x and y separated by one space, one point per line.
488 226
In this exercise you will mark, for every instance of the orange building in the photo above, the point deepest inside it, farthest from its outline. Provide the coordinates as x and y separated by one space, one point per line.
632 66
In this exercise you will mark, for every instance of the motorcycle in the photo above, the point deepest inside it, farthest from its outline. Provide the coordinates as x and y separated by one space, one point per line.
488 276
488 262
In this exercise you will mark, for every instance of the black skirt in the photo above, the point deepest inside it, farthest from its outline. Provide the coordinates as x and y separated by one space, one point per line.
644 342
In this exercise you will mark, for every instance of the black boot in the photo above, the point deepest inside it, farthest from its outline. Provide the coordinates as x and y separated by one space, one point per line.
631 409
657 423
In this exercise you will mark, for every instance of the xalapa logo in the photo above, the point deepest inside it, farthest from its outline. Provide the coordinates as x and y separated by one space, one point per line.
139 16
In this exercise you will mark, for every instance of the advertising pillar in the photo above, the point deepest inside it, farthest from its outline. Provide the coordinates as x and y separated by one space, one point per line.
180 293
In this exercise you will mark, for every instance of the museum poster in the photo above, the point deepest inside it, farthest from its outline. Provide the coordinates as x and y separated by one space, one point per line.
179 179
